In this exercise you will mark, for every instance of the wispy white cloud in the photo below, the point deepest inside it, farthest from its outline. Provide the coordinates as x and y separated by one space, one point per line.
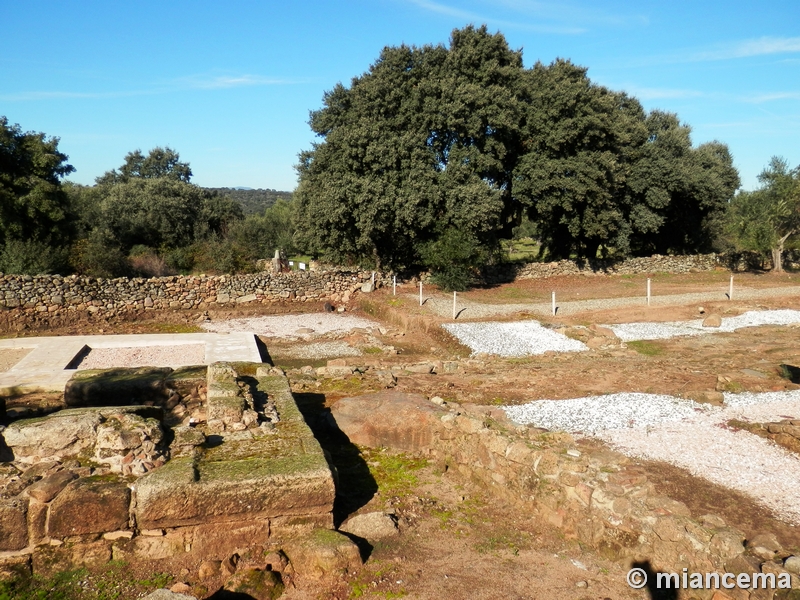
772 97
192 82
756 47
444 9
204 82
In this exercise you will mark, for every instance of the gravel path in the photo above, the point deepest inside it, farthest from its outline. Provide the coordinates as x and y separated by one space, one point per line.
656 331
318 350
302 326
512 339
690 436
181 355
443 306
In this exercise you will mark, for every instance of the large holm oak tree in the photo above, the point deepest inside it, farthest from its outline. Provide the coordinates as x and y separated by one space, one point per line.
424 142
437 140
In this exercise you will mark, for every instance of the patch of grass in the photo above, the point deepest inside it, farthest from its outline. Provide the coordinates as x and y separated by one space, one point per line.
111 582
646 347
174 328
395 474
501 540
372 350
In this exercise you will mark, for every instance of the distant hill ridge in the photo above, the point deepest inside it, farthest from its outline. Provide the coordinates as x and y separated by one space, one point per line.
253 202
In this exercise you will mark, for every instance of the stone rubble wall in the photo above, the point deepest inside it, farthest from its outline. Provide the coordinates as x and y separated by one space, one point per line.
56 294
630 266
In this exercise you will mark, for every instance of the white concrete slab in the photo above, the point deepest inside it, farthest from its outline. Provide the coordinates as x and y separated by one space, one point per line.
44 368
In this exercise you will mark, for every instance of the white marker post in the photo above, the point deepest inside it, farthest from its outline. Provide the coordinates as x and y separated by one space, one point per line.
373 279
394 285
730 289
554 304
420 293
648 291
454 306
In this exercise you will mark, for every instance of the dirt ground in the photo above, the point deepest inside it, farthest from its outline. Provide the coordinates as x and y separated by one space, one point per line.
457 541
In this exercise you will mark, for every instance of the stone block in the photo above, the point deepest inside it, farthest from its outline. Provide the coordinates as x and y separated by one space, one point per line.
245 476
323 553
13 524
218 540
90 505
48 559
371 526
117 387
48 487
255 584
405 422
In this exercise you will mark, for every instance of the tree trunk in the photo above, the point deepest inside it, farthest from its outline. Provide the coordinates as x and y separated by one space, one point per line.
777 262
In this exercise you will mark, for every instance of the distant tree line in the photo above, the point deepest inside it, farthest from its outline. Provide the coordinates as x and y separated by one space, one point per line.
253 202
145 218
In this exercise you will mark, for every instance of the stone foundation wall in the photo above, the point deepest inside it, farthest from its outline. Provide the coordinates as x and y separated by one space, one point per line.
596 496
66 499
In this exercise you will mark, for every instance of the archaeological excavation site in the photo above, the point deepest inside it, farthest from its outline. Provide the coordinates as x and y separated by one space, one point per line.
345 434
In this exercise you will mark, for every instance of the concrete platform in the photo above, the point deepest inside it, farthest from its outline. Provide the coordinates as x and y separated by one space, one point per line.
44 369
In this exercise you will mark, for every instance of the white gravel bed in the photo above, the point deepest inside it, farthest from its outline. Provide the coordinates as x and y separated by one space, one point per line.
694 437
628 332
321 350
521 338
287 326
597 413
179 355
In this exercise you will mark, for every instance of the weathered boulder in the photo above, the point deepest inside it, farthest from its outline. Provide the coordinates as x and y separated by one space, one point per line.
405 422
90 505
371 526
48 487
257 584
323 552
712 321
65 433
106 435
117 387
13 524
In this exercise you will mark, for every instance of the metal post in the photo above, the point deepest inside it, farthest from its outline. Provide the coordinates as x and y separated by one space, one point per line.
394 285
554 304
730 289
454 305
648 291
420 293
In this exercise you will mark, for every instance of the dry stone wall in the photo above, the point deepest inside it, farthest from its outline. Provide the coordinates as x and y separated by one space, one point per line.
56 294
75 294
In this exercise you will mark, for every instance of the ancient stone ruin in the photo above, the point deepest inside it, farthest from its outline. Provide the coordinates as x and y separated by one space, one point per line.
156 463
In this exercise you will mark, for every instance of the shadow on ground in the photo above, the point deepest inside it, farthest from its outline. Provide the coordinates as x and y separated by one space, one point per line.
355 485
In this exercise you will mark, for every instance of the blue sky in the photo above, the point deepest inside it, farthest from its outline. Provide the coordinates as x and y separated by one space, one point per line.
229 85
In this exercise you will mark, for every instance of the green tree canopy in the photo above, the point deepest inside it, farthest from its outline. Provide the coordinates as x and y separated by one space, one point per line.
765 219
424 141
433 139
159 162
33 206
